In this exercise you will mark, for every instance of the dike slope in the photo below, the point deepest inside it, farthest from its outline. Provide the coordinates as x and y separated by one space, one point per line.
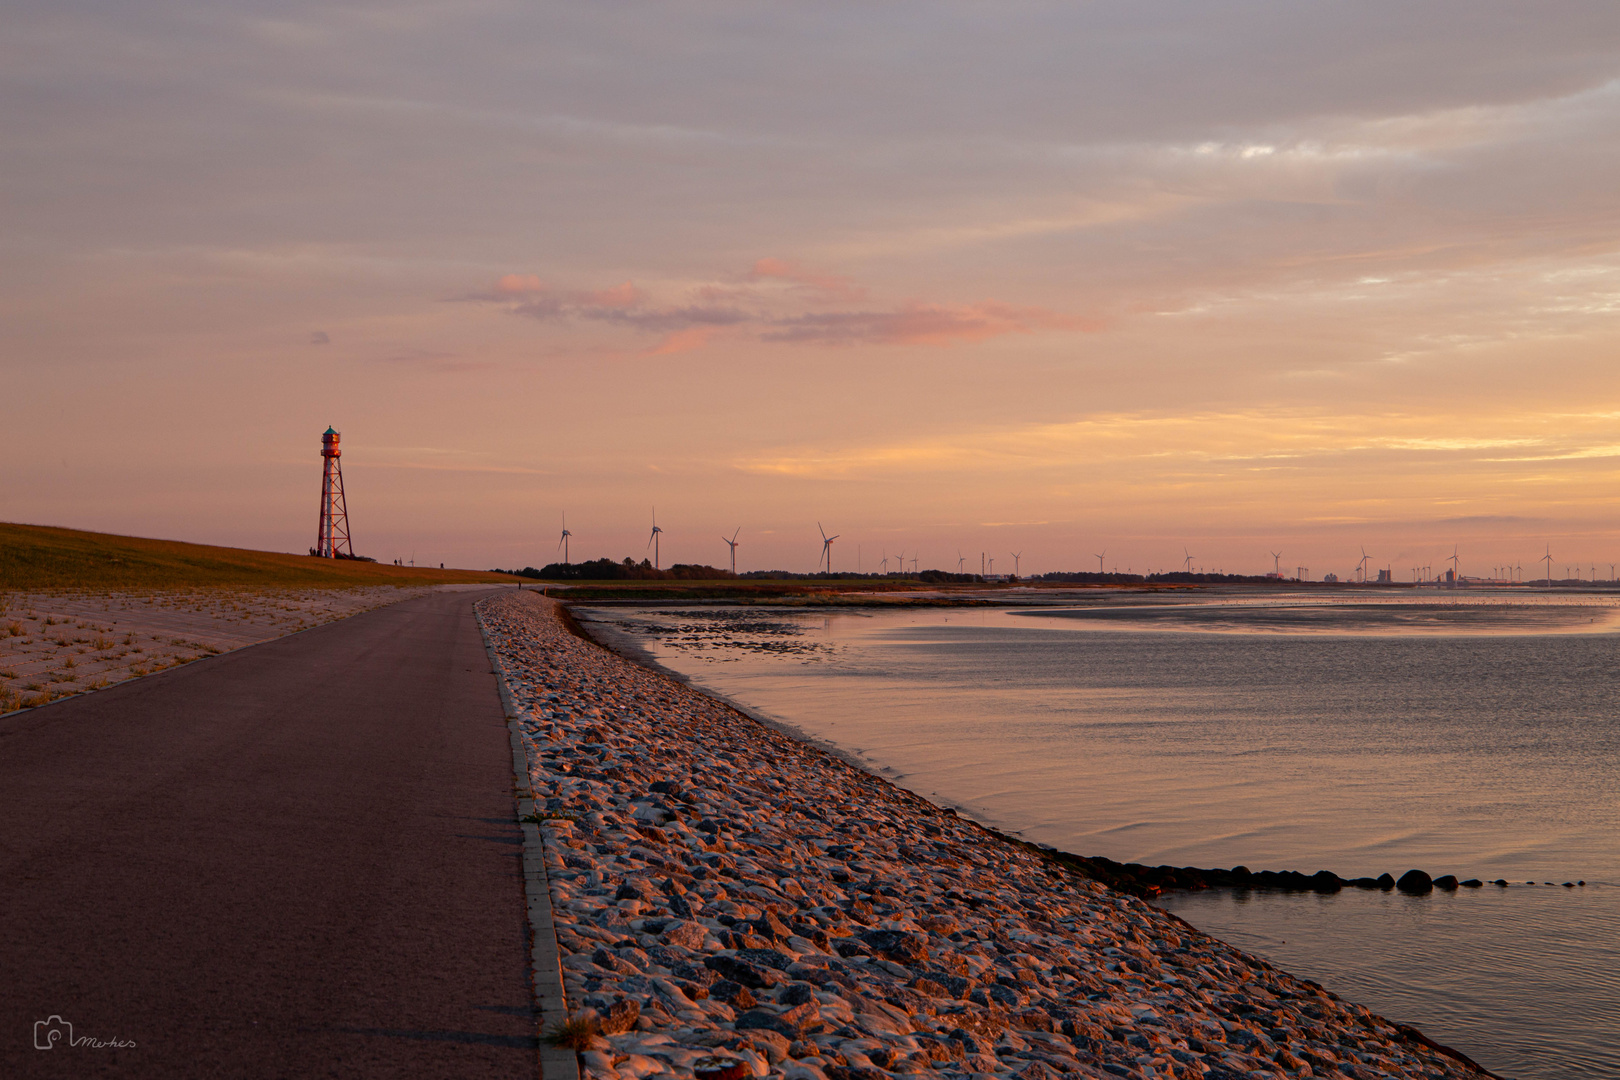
724 891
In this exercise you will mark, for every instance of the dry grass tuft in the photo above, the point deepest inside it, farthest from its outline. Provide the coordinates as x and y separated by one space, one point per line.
576 1032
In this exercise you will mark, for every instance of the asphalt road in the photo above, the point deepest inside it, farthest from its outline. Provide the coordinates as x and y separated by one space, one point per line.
296 860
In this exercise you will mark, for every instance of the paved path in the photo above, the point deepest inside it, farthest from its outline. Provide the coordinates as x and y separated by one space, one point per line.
296 860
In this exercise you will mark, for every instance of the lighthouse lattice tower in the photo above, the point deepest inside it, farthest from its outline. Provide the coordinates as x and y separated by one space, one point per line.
333 541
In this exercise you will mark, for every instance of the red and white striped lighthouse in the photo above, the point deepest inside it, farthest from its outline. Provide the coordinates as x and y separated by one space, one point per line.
333 541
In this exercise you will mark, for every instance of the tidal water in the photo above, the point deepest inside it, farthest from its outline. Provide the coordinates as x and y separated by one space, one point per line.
1477 735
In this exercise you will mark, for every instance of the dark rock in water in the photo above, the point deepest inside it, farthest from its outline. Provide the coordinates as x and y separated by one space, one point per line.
1325 881
1569 884
1447 882
1415 882
1386 882
1500 883
1580 883
1369 882
1471 883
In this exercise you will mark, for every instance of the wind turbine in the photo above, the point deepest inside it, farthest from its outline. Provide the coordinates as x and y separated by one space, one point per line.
1455 564
826 547
1547 558
733 543
1100 555
960 559
1187 562
992 564
1017 555
652 540
1276 563
1362 565
563 542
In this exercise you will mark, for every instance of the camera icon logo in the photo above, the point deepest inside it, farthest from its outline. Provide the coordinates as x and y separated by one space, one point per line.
48 1032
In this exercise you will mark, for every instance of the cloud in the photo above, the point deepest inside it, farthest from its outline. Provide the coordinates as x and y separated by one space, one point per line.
670 320
320 337
693 337
830 286
797 316
924 324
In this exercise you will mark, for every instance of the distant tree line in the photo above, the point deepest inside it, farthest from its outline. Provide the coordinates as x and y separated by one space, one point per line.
627 570
630 570
1176 577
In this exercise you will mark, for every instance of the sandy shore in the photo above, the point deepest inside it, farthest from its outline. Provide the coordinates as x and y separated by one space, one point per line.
723 890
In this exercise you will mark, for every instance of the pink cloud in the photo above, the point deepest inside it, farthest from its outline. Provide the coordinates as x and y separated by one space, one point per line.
829 286
693 337
519 284
796 316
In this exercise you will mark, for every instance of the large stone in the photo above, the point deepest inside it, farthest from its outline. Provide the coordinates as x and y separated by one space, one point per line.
621 1017
1326 881
684 935
732 993
769 926
738 971
766 958
764 1020
897 945
1415 882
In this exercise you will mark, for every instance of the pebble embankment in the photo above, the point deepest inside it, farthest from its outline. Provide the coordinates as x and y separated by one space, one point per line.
722 891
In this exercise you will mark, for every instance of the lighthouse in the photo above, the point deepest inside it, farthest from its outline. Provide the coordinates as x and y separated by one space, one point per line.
333 540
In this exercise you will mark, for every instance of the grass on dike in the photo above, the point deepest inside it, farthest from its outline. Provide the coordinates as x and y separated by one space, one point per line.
42 558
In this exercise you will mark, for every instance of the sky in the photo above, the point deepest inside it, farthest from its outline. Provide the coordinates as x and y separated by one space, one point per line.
1146 280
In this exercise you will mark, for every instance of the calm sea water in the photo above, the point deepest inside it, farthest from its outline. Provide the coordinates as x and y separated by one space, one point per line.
1473 735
